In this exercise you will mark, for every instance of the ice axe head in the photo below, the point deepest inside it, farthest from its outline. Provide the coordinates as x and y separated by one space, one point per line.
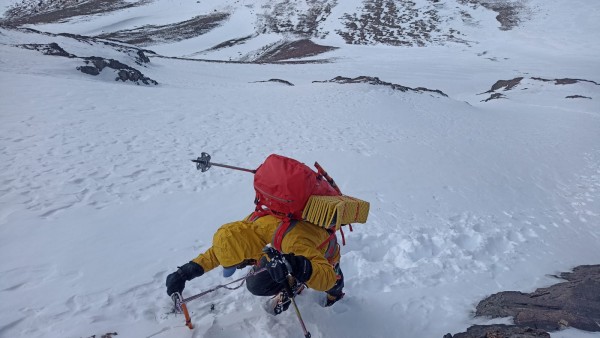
202 162
180 307
177 300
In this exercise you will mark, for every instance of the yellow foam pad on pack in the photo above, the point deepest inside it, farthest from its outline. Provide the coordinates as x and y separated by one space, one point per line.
333 211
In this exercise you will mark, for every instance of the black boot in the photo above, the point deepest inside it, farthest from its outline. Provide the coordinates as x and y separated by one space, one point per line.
331 299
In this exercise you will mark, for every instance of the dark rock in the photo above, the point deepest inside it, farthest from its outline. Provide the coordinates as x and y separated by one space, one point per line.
565 81
142 58
506 84
575 303
55 49
106 335
494 96
278 81
89 70
577 97
500 331
125 72
49 49
376 81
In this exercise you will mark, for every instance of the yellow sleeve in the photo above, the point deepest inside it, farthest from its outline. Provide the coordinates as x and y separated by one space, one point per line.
207 260
323 276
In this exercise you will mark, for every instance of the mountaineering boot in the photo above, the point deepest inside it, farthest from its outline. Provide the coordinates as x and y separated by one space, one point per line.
331 299
281 302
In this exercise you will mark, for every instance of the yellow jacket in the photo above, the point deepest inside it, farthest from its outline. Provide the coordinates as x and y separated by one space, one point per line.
234 242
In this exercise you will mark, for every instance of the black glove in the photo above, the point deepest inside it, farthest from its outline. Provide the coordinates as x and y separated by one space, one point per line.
301 268
176 280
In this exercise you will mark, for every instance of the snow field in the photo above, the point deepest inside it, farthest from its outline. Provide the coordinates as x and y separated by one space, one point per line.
108 177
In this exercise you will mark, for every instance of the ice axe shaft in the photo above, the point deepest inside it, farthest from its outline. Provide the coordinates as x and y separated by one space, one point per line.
180 303
180 306
274 253
203 163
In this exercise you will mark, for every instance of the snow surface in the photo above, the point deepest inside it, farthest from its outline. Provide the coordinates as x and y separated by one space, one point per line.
99 201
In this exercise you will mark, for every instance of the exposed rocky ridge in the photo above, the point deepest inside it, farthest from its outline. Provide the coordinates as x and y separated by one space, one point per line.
507 85
150 34
376 81
510 12
94 65
44 11
564 81
49 49
398 23
286 16
139 54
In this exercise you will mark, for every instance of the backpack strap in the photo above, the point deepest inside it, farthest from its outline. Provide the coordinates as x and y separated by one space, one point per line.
332 246
256 215
285 226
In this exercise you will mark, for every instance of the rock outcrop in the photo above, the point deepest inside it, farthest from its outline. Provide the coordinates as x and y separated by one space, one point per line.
95 65
500 331
376 81
574 303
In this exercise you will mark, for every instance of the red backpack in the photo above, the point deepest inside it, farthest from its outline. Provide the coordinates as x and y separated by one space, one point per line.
283 186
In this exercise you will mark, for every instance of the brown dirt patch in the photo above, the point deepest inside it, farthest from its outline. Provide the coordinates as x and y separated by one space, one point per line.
289 50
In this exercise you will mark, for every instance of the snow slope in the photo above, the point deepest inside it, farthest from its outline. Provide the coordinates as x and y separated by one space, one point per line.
99 202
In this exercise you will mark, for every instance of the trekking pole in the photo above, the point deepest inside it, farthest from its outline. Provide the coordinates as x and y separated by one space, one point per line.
273 253
203 163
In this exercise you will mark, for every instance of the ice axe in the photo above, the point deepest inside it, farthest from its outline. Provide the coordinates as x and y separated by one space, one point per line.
179 303
203 163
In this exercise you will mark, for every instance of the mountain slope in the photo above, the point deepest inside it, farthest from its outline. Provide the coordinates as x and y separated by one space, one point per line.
99 201
396 23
